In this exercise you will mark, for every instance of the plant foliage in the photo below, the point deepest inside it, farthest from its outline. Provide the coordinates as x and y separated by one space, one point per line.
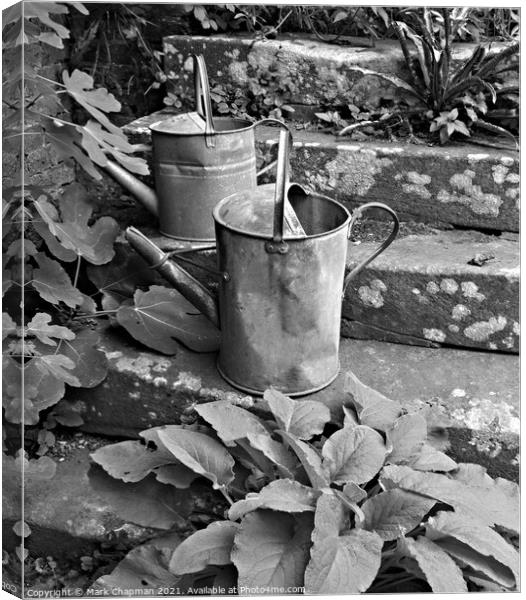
369 506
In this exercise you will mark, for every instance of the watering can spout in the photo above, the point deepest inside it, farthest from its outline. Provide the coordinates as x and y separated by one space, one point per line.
181 280
146 196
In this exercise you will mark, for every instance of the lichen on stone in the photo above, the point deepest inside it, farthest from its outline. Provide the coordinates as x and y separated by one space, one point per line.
465 192
460 311
435 335
470 290
372 296
449 286
480 331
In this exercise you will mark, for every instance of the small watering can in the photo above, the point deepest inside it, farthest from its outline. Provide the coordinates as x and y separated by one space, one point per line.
197 161
280 294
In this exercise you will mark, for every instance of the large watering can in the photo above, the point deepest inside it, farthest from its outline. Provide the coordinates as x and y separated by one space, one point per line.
280 294
197 161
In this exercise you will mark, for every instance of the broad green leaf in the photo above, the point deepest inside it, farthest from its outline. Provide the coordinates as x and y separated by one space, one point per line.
131 460
500 494
271 550
143 568
330 518
406 437
344 565
210 546
147 503
175 474
40 327
283 495
274 451
199 452
464 498
353 492
91 363
353 454
309 458
231 422
429 459
53 283
67 414
161 316
92 242
373 408
475 537
441 571
394 513
302 418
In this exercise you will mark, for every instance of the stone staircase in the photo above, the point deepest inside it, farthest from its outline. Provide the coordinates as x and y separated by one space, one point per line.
446 291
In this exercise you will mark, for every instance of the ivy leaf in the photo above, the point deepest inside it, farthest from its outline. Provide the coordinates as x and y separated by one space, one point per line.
66 415
310 460
475 544
329 518
118 279
8 326
354 454
36 469
302 418
464 498
57 365
429 459
344 565
272 550
199 452
373 408
40 327
283 495
79 85
90 362
41 227
41 390
92 242
406 437
144 567
210 546
231 422
53 284
161 315
147 503
440 570
394 513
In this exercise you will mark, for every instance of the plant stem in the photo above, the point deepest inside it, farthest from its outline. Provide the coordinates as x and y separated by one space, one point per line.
222 489
77 271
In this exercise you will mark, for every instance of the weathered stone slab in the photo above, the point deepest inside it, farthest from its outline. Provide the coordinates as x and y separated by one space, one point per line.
423 286
295 70
69 519
460 185
474 395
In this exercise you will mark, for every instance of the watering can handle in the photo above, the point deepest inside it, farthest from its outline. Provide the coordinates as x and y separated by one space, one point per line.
387 242
271 121
203 104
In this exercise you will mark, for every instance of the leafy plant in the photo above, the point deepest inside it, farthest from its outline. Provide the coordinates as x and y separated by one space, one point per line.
370 506
443 94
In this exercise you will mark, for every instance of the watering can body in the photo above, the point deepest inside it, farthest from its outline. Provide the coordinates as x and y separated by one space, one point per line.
280 292
197 160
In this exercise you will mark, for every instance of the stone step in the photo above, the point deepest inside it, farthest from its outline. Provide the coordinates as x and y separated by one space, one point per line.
68 518
472 395
459 185
422 290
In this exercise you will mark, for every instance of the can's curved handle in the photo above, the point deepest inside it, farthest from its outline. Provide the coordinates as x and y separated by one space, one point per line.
203 104
387 242
271 121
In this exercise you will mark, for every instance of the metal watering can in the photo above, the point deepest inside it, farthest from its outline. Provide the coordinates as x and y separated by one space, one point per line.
280 294
197 161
